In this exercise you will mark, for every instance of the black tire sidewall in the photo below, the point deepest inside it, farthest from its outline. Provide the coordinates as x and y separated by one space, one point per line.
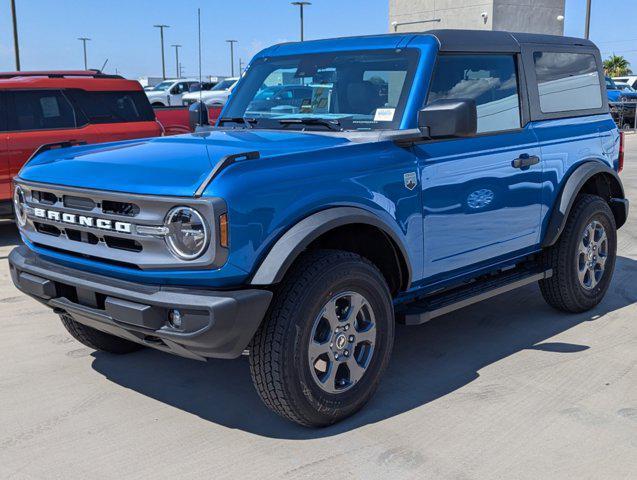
351 276
599 211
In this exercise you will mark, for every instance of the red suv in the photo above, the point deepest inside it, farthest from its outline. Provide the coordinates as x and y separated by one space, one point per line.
40 108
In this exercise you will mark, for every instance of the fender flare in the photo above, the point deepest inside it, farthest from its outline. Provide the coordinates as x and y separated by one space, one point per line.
566 198
287 248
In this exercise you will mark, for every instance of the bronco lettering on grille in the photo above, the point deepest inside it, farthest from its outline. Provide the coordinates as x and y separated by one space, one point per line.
84 221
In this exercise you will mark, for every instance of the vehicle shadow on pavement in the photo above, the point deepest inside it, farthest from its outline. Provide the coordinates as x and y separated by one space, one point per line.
428 362
9 235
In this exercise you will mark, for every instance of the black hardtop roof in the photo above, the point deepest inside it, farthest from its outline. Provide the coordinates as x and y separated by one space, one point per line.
498 41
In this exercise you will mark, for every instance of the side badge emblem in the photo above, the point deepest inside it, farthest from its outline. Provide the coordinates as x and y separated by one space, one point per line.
410 180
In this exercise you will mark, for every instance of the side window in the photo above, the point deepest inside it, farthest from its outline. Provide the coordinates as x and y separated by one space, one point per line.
490 80
41 110
567 81
3 112
112 107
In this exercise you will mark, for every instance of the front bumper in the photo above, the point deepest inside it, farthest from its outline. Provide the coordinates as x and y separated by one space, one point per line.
217 324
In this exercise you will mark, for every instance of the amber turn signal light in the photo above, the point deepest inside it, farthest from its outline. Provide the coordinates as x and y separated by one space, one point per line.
223 230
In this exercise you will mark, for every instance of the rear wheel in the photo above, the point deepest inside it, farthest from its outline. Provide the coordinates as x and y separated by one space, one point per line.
326 340
98 340
583 259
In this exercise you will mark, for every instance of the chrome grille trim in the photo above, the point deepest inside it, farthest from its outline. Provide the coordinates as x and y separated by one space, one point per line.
152 212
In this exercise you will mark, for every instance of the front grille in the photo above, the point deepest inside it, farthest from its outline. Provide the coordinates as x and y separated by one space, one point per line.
79 236
79 203
120 208
47 229
103 225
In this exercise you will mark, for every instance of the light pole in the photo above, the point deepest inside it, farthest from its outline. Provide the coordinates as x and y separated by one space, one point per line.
161 35
232 42
15 36
177 47
587 28
301 5
84 40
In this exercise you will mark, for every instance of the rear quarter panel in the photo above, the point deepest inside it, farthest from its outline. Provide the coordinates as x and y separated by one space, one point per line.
566 144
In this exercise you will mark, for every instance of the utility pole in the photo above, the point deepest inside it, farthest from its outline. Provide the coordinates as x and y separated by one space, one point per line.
16 48
84 40
231 42
301 5
177 47
587 28
161 35
240 67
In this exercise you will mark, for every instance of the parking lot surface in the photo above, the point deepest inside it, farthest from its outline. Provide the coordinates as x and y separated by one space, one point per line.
504 389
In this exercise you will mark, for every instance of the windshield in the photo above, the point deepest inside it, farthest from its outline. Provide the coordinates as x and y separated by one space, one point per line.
610 84
162 86
352 90
625 87
223 85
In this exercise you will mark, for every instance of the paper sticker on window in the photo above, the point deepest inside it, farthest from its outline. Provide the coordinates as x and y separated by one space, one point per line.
384 114
50 107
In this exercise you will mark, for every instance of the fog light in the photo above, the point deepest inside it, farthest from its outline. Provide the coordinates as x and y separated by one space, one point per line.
174 318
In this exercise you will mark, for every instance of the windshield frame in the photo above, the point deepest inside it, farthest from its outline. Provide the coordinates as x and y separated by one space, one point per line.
235 109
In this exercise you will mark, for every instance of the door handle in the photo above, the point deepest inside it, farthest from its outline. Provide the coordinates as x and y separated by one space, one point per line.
525 161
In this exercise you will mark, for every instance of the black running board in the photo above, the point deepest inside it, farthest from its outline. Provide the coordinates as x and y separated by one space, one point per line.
427 308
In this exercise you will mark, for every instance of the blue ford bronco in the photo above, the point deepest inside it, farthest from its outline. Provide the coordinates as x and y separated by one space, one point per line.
394 178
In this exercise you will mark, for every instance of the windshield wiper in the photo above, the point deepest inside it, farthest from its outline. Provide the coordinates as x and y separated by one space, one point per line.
324 122
248 122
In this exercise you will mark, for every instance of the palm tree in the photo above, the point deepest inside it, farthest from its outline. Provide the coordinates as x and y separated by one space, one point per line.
617 66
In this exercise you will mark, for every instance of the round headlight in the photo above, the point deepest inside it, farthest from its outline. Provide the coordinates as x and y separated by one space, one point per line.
19 199
187 233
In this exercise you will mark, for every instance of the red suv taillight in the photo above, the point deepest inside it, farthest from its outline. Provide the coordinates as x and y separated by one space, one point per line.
621 152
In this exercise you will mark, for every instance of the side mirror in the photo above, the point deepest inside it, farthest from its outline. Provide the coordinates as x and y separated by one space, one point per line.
449 118
197 115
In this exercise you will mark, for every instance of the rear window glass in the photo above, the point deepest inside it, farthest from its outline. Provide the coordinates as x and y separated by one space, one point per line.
42 110
567 81
113 107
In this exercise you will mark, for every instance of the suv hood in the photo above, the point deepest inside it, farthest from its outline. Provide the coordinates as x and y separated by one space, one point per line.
164 165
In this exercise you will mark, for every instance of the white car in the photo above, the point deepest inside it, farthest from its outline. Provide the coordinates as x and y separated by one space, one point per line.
169 92
631 80
215 97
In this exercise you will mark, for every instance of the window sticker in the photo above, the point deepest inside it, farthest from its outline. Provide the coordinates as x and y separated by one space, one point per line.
384 114
50 107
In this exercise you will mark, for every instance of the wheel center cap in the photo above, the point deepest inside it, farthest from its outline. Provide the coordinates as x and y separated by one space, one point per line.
341 341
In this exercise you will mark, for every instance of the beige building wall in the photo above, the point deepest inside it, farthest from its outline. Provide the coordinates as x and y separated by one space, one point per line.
533 16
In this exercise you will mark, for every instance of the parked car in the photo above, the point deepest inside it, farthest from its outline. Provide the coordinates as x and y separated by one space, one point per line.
623 100
67 107
215 97
281 99
169 92
428 172
631 80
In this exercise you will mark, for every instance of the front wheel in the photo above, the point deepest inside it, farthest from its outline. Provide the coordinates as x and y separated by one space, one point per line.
326 340
583 259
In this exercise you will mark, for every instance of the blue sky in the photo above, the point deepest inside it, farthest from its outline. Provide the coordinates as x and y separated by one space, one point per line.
123 32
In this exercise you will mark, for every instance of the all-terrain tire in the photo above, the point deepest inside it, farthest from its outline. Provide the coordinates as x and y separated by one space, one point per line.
564 290
281 370
98 340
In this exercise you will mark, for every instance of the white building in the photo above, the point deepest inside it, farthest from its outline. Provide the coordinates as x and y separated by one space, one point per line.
532 16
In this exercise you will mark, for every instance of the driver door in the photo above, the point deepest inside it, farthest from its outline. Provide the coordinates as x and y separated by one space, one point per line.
478 207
